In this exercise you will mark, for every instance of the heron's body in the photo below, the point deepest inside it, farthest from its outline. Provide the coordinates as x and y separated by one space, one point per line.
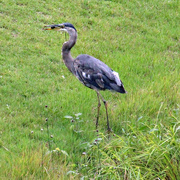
94 74
90 71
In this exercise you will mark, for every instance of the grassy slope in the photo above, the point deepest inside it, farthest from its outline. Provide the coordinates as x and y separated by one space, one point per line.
137 39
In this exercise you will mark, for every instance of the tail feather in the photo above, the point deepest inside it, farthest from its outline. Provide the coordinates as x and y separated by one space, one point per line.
117 88
119 85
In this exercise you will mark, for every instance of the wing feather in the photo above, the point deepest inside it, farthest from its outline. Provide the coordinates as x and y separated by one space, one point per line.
95 74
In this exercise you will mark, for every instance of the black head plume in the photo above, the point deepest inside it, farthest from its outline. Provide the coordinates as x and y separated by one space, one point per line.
69 25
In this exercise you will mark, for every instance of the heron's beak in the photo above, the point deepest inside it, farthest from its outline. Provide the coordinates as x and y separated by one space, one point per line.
56 27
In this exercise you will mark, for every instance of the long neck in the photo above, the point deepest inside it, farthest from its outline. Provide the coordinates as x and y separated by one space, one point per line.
66 54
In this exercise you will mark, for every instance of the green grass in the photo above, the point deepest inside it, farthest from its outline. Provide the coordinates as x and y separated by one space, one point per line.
138 39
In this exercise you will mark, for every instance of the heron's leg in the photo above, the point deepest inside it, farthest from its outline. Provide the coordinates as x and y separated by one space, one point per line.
105 104
99 105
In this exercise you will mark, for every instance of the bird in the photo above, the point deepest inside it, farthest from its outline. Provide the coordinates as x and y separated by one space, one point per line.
90 71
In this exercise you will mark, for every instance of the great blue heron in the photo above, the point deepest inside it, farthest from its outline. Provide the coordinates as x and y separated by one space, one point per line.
90 71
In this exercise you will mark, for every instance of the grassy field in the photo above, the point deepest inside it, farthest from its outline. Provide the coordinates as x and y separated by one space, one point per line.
47 118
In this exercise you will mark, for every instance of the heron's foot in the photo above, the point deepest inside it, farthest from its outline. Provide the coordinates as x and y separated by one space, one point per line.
109 130
97 122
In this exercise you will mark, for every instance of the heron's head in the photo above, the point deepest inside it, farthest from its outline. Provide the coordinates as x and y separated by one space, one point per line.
68 27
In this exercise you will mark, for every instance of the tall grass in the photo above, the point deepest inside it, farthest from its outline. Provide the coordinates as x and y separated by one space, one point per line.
153 154
138 39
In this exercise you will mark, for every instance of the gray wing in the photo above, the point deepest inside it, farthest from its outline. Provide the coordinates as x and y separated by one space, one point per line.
95 74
